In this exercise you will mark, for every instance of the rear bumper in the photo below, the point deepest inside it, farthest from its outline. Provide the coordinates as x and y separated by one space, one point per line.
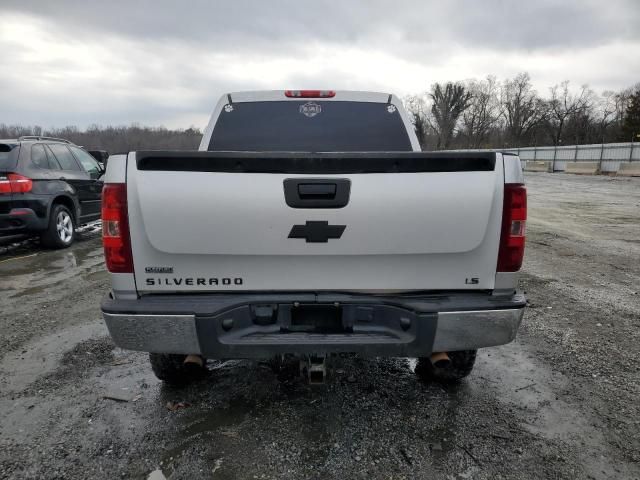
20 221
263 325
23 213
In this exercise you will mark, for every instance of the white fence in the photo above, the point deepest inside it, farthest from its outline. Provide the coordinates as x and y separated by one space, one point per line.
608 155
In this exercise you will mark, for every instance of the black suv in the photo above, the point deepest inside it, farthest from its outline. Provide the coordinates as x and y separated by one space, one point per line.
49 187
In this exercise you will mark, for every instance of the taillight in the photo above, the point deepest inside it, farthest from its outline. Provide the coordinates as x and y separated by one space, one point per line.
115 228
15 183
310 93
512 237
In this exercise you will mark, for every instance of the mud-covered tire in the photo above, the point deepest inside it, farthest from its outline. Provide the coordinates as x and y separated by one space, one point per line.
461 365
170 368
61 231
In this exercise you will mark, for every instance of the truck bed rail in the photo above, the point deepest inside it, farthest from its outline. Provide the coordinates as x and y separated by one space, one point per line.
315 163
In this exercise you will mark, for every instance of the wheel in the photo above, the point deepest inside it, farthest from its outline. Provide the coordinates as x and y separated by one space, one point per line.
461 365
171 369
61 230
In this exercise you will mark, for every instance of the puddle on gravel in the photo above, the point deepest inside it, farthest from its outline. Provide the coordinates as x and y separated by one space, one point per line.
532 387
216 419
203 427
21 275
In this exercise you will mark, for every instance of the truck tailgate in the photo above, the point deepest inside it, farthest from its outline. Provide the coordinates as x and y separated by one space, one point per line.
215 221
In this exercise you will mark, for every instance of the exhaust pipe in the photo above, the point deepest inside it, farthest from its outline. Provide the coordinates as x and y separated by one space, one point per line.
440 360
194 360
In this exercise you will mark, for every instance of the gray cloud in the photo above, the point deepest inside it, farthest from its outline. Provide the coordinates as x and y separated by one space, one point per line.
246 24
166 62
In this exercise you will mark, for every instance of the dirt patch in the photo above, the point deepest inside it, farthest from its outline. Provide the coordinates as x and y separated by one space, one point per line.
75 364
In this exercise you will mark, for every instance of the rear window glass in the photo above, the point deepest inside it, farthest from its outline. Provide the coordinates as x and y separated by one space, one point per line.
64 157
8 156
310 126
39 159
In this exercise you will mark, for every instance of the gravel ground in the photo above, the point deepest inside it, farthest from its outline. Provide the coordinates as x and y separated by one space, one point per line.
559 402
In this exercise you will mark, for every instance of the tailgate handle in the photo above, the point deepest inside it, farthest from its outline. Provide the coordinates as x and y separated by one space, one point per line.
317 192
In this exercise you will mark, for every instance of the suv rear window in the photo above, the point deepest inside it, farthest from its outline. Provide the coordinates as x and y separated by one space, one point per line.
8 156
309 126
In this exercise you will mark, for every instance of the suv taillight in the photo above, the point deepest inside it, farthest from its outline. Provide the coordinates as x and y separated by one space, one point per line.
512 238
15 183
115 228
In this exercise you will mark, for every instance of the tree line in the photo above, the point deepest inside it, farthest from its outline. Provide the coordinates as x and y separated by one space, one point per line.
117 139
492 114
471 114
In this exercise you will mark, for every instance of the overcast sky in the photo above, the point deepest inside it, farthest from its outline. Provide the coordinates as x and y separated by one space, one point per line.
166 63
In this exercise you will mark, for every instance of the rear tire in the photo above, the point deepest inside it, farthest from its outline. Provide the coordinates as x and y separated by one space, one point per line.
171 369
461 365
61 231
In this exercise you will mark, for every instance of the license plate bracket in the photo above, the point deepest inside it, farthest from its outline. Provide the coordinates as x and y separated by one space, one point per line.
316 319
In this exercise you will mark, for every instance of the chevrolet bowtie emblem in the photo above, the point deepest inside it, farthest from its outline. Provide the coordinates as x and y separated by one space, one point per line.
317 232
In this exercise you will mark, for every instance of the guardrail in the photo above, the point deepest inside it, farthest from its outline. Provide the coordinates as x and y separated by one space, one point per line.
619 158
608 157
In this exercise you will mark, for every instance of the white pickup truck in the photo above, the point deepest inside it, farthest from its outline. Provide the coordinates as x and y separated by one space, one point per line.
309 223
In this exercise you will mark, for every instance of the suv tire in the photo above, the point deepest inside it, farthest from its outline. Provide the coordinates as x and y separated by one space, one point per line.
61 231
171 369
461 365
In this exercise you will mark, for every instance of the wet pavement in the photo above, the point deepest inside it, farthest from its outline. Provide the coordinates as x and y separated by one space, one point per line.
559 402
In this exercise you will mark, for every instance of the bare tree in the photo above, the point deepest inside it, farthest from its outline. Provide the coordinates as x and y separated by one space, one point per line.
622 101
631 127
581 127
522 109
448 104
418 110
605 113
483 112
563 105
